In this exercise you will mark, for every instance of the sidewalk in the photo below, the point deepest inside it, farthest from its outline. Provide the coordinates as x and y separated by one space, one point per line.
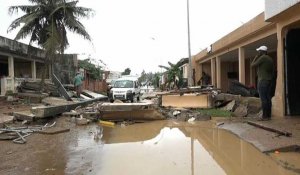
267 141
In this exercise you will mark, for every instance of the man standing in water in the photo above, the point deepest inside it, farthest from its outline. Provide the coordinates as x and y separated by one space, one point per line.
265 73
78 84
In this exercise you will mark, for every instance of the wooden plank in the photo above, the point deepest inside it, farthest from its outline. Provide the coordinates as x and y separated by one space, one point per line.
268 128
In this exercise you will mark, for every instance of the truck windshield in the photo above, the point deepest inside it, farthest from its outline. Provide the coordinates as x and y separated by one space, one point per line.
123 84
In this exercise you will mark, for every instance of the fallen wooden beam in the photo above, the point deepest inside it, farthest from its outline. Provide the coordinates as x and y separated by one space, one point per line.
268 128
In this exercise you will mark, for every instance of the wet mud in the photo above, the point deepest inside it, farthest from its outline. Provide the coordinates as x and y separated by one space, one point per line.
159 147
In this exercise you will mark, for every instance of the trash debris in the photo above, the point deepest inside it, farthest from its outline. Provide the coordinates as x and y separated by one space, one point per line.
107 123
24 131
191 120
175 113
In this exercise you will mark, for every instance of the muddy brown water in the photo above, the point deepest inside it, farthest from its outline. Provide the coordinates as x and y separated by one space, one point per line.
170 147
160 147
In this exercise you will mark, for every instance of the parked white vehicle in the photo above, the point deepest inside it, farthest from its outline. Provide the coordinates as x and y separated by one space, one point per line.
126 88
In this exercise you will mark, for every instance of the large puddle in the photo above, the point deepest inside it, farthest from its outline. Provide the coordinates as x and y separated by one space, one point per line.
168 147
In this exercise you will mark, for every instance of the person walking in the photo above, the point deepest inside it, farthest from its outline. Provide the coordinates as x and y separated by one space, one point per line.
78 84
265 73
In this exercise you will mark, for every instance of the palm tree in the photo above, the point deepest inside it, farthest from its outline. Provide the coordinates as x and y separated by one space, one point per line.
46 23
174 74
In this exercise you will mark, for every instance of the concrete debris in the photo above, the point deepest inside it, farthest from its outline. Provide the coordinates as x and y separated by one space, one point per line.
24 115
32 97
5 119
54 130
241 111
176 113
23 132
92 95
240 106
117 101
229 107
82 121
191 120
187 101
184 114
268 128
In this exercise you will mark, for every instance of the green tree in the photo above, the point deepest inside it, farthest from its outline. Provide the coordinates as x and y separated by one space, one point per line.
174 74
94 71
126 71
46 23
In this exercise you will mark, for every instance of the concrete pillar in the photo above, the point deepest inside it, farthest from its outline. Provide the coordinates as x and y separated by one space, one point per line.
11 67
218 64
33 70
242 65
199 73
213 71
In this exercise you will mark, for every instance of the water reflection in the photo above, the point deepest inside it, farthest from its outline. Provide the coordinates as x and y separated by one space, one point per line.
168 147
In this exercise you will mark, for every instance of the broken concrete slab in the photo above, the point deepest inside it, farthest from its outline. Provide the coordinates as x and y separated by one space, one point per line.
5 119
241 111
130 111
91 115
270 128
48 111
124 106
187 101
56 101
264 140
138 114
32 97
24 115
71 114
91 94
228 97
229 106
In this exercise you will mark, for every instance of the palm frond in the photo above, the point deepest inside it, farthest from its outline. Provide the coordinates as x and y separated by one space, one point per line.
164 67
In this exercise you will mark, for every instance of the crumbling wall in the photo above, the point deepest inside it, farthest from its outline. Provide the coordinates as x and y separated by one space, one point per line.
65 67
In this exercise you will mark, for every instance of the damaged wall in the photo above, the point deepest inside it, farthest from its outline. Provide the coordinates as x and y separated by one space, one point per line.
65 67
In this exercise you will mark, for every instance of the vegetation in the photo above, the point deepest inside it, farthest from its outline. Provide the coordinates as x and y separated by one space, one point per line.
93 70
174 74
127 71
47 22
150 78
215 112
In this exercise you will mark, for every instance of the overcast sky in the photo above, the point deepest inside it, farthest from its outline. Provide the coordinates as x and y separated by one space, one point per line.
142 34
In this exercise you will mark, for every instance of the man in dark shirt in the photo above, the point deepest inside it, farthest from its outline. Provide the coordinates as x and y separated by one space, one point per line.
265 73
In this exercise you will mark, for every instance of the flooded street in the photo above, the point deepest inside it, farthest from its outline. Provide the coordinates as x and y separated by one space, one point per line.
169 147
159 147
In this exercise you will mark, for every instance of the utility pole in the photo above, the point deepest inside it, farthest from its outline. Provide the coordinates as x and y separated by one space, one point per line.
190 72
